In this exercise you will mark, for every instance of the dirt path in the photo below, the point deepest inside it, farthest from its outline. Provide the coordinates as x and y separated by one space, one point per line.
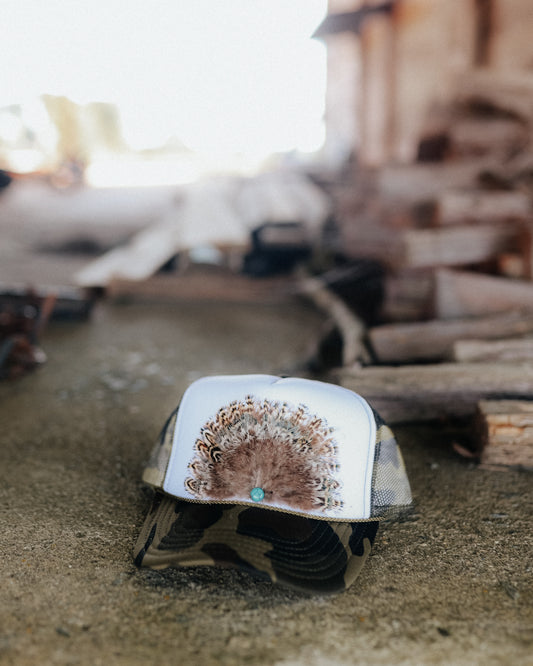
452 585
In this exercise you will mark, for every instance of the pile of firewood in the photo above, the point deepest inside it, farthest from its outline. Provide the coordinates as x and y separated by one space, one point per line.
454 232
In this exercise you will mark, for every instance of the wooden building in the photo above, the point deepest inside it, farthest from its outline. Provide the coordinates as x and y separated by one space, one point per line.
392 65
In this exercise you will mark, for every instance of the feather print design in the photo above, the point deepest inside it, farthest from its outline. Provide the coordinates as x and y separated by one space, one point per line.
289 453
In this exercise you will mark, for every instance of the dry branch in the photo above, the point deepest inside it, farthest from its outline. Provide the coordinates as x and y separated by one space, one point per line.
351 328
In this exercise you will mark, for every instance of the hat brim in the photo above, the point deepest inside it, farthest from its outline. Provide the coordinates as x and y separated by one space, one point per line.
315 556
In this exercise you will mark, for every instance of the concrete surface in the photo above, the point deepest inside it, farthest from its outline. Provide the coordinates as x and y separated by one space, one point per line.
450 585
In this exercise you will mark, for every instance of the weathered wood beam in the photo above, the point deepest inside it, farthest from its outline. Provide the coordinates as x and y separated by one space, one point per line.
426 248
197 285
434 340
511 92
460 206
444 390
467 294
508 350
420 182
474 136
455 246
408 295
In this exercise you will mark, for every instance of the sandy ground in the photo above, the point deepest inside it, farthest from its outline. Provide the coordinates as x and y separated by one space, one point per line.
450 585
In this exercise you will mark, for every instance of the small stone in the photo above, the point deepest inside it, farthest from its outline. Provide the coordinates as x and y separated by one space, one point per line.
510 590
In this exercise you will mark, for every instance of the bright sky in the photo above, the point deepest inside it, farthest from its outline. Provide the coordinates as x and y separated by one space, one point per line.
224 76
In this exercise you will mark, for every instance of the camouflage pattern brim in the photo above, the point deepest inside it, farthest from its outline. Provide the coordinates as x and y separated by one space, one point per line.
306 554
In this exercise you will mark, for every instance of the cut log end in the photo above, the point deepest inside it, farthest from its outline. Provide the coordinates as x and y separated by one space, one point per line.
505 433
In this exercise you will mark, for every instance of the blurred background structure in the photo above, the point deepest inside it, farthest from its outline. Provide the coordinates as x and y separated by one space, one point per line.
222 150
394 66
159 92
339 190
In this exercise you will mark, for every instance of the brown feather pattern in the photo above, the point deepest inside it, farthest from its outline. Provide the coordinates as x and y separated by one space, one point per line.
289 453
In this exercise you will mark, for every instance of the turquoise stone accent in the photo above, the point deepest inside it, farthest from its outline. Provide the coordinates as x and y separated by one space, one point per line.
257 494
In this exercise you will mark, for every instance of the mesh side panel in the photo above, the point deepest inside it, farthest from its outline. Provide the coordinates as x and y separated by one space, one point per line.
390 487
154 473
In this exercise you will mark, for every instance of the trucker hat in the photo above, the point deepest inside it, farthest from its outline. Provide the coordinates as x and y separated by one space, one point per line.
285 478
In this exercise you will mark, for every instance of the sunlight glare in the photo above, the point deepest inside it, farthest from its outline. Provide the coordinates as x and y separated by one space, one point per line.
239 77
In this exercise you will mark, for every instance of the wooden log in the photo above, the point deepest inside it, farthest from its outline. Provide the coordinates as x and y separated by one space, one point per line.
368 238
445 390
420 182
434 339
408 295
467 294
511 349
513 174
455 246
509 92
505 432
426 248
216 285
460 206
478 135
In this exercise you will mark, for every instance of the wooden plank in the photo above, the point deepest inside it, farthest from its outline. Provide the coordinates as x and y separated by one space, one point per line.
505 432
445 390
420 182
434 339
508 350
367 238
204 285
408 295
508 175
510 92
455 246
482 135
460 206
467 294
425 248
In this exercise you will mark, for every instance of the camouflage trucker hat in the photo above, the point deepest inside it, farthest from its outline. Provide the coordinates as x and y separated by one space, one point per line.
286 478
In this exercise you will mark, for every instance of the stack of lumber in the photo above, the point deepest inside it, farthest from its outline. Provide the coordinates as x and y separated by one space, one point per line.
454 234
